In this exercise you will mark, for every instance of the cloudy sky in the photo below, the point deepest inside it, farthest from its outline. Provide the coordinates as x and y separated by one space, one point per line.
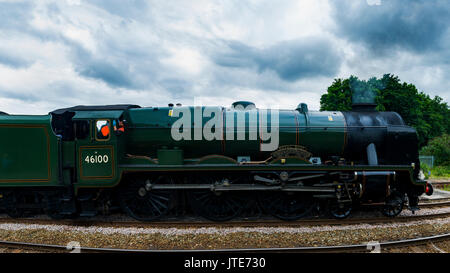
62 53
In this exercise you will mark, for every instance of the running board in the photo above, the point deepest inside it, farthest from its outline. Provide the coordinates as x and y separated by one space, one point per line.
241 187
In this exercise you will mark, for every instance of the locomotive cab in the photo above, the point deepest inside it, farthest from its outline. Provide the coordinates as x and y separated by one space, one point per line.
93 140
96 154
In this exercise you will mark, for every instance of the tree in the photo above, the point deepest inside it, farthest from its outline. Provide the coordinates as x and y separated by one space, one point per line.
428 116
338 97
439 147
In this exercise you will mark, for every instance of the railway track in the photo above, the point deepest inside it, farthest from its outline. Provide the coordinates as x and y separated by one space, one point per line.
435 204
441 185
320 249
238 223
235 223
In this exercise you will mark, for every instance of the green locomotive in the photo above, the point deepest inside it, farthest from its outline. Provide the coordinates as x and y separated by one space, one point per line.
84 160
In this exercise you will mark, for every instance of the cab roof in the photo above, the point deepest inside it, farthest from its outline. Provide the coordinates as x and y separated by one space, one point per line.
79 108
98 114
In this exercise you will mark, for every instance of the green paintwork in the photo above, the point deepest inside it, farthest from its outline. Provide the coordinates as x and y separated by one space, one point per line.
97 162
170 157
216 159
28 151
98 172
289 161
98 114
68 159
324 133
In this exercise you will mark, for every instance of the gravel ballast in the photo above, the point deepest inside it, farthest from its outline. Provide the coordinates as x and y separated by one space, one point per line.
217 238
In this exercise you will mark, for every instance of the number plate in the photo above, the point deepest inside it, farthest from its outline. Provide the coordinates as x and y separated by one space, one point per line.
96 162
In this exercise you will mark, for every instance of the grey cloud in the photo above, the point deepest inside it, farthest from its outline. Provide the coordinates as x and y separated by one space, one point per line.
14 15
117 68
415 25
176 86
96 67
290 60
105 72
10 60
117 62
26 97
124 8
57 92
111 65
127 53
15 18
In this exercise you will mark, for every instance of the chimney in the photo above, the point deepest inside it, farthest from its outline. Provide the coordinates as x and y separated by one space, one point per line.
363 96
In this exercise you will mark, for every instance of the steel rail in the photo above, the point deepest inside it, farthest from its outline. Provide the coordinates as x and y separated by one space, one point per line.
236 223
320 249
440 185
434 204
278 223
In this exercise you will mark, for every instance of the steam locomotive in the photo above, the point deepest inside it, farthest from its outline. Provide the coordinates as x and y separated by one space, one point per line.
215 161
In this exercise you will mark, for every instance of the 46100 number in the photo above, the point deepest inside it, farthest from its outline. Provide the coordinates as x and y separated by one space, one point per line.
96 159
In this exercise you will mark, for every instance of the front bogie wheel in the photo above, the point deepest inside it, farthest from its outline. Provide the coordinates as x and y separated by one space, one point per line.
340 209
393 205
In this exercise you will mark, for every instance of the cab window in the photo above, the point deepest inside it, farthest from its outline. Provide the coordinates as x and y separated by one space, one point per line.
103 129
119 127
81 128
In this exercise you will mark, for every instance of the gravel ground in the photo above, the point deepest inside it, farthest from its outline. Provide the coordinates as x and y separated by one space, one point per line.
435 247
425 211
213 238
231 237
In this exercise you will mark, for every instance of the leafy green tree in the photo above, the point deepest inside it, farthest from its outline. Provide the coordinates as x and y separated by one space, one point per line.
439 147
338 97
428 116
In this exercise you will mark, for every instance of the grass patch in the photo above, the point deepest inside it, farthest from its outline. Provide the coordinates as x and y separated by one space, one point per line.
439 172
